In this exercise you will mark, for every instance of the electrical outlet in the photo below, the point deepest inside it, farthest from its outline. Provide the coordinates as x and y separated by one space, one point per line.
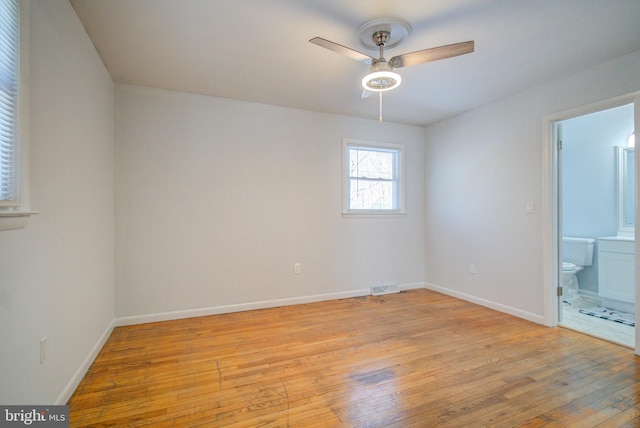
43 350
297 268
472 269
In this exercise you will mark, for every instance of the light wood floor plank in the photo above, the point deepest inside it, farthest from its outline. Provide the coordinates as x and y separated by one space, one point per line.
416 358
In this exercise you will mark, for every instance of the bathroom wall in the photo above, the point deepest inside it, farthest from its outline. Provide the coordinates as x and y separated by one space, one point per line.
589 198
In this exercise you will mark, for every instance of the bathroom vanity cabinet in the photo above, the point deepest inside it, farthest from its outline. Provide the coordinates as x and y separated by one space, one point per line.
616 276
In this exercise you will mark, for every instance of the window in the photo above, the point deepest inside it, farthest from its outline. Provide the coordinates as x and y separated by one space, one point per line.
373 178
14 201
9 71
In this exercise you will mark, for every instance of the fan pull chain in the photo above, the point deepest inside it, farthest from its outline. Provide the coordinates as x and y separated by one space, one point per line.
380 106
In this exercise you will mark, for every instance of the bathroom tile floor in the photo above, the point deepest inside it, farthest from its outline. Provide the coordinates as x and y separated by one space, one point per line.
603 329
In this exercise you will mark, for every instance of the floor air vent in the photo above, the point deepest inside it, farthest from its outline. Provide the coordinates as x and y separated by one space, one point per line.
379 290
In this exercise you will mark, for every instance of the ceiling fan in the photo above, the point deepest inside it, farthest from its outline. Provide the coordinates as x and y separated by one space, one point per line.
388 33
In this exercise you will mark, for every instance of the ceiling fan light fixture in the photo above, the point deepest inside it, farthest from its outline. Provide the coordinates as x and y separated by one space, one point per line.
379 81
381 77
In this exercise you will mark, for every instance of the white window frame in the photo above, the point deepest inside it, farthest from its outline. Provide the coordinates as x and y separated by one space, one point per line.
16 215
398 149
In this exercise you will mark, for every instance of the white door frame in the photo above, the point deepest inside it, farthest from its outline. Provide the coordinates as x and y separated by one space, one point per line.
551 210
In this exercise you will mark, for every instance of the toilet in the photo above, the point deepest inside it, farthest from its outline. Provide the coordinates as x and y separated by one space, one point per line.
576 254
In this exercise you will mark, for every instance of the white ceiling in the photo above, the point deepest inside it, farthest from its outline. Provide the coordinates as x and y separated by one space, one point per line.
258 50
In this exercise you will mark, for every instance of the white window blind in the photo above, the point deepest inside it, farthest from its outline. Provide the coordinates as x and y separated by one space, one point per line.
9 71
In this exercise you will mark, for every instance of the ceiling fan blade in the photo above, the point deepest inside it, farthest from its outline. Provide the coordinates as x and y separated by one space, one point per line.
366 94
433 54
353 54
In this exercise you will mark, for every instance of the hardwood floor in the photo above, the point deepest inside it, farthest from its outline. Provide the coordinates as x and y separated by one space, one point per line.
414 359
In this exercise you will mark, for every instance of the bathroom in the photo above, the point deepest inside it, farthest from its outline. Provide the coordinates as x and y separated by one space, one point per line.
597 194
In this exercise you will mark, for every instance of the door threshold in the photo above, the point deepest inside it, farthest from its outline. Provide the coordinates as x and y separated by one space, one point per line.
596 336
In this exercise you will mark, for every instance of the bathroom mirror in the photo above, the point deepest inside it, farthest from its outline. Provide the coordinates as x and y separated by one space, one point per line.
626 191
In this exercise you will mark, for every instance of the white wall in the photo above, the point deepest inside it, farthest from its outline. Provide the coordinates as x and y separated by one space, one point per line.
56 276
481 169
217 199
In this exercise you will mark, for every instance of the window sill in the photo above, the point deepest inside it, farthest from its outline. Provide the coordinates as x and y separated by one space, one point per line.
373 214
13 220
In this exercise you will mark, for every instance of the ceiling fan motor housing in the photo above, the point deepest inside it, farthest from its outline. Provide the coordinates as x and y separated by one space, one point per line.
380 38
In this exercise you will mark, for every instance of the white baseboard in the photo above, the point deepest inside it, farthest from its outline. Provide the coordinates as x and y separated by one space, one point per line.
240 307
412 286
539 319
588 293
68 391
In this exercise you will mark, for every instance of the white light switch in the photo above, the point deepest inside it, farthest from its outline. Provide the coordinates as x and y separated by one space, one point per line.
531 207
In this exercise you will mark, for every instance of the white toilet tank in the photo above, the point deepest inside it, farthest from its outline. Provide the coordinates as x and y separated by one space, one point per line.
578 251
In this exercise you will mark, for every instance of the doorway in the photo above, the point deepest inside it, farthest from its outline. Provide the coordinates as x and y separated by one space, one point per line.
593 203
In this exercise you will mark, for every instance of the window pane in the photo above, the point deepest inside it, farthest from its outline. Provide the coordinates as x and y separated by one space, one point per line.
8 100
371 163
371 195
